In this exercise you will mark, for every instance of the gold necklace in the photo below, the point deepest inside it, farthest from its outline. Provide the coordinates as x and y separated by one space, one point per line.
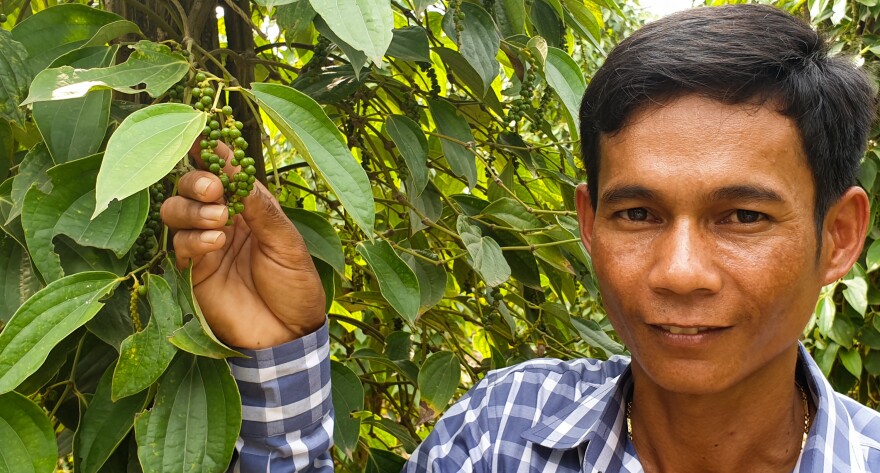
807 418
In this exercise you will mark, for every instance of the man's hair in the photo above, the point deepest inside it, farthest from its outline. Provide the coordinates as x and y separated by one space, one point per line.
739 54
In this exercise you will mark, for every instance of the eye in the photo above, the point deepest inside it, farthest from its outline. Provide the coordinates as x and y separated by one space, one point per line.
638 214
749 216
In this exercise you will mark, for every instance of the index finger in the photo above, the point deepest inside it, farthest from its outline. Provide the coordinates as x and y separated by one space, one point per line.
202 186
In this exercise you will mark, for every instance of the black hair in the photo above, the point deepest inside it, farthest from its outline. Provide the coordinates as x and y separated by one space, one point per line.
739 54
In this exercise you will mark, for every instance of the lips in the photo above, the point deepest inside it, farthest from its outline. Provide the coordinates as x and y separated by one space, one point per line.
676 330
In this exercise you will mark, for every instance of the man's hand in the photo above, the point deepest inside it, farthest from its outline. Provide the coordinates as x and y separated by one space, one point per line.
254 280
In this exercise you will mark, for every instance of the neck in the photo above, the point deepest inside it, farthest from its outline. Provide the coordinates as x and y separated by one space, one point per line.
755 425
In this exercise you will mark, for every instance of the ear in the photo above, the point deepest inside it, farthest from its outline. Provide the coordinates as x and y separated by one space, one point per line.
843 233
586 215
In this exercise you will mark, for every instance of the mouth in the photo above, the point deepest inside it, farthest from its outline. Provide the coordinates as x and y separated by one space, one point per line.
678 330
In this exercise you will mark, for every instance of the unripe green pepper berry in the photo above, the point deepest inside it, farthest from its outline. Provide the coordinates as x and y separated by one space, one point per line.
242 193
234 133
215 168
142 290
224 132
234 162
239 154
251 170
207 100
241 143
203 144
200 77
206 130
212 144
199 106
214 125
221 163
208 92
239 207
227 110
215 134
239 125
196 92
2 18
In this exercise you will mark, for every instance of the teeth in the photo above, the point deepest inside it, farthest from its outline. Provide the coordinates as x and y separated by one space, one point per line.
683 330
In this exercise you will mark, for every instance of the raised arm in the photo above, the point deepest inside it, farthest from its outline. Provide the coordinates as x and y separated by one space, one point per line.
260 292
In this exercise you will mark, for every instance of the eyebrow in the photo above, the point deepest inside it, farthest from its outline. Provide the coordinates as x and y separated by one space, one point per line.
745 192
629 192
750 193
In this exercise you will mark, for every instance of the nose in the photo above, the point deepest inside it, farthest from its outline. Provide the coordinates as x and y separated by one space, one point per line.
684 261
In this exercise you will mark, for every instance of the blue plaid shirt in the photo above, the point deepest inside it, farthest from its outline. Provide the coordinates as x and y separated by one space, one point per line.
539 416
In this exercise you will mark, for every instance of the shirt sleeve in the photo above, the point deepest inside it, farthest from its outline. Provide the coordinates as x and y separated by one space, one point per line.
463 439
287 410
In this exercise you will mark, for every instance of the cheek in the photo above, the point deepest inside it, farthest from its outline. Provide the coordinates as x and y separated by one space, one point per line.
620 265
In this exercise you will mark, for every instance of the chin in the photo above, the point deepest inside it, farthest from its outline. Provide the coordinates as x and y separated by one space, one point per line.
688 376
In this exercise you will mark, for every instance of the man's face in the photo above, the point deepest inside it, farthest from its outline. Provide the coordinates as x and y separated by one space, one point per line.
704 241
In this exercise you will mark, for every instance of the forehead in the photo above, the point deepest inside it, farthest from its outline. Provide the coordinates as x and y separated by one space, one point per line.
694 144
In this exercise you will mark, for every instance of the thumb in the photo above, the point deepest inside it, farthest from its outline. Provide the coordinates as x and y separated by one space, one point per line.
270 225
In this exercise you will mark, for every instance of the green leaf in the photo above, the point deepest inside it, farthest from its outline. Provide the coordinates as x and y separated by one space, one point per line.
439 378
31 171
58 30
316 138
12 278
432 281
348 397
593 334
485 253
413 147
145 355
852 361
381 461
152 64
872 259
450 124
195 419
273 3
75 128
7 148
825 358
410 44
192 338
146 147
479 41
47 318
566 78
356 58
14 78
397 282
112 324
872 362
511 213
510 15
181 284
856 293
66 209
321 238
27 437
825 314
295 18
364 24
104 426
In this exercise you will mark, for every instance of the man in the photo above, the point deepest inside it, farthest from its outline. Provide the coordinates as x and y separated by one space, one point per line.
721 147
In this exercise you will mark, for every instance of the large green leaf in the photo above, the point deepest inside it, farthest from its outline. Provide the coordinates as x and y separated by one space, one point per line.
356 58
32 171
348 397
439 378
75 128
7 148
593 334
152 64
145 355
295 18
410 44
316 138
192 338
432 281
14 78
146 147
451 125
479 41
195 419
60 29
12 258
397 282
413 146
566 78
486 255
364 24
45 319
66 209
27 437
104 425
320 237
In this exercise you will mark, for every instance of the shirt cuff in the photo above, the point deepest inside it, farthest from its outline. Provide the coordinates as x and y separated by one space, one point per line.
284 388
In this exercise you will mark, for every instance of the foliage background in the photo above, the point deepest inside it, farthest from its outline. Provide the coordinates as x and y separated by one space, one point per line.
431 169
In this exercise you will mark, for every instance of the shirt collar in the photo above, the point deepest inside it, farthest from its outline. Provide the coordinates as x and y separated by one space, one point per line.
601 415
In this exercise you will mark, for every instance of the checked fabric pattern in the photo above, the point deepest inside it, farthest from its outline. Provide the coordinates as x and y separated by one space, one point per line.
543 416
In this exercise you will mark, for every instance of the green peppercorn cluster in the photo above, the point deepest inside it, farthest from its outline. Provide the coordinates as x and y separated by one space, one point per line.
429 71
176 93
137 291
524 103
319 56
146 245
222 126
457 19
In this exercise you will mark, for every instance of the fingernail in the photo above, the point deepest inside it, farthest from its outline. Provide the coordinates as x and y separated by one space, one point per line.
210 236
202 185
212 212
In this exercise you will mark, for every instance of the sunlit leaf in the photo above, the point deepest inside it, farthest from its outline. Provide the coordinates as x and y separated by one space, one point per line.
397 282
364 24
439 378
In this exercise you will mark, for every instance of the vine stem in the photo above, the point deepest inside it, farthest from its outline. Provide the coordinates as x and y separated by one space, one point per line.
70 380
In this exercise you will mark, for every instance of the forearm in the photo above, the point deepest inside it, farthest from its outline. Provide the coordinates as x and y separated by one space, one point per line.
287 412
